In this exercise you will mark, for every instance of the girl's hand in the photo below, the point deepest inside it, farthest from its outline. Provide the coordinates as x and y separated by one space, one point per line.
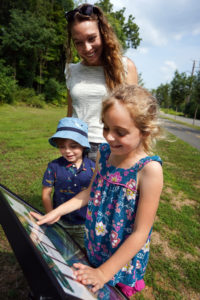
89 276
49 218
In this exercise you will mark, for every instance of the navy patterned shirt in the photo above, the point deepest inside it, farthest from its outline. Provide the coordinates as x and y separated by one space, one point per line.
68 181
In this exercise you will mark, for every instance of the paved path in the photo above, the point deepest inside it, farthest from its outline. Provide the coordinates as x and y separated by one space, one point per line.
182 119
187 134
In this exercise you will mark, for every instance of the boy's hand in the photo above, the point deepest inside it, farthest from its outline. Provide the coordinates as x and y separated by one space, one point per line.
89 276
49 218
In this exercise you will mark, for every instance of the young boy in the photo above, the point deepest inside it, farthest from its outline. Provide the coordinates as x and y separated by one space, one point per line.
69 174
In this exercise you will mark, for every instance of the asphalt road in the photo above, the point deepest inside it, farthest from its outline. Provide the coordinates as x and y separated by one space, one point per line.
182 119
187 134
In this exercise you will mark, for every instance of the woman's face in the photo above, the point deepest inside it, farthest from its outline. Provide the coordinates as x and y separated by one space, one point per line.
88 42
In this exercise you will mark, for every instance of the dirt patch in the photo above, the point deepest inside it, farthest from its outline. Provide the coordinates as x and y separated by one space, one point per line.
197 184
190 295
167 251
178 201
168 190
190 257
147 293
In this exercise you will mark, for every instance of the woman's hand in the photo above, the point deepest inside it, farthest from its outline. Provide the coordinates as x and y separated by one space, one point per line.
89 276
50 218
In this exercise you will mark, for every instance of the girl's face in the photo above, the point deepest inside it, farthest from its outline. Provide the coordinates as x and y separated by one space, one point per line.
88 42
120 131
71 150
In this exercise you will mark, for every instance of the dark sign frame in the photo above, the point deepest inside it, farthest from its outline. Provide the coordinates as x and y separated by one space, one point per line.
43 280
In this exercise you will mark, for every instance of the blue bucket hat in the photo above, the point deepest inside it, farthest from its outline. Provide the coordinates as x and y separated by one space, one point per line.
73 129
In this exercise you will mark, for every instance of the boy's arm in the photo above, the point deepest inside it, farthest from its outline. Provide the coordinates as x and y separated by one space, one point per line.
46 198
150 185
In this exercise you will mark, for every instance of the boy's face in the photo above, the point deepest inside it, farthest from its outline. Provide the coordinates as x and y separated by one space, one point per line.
70 150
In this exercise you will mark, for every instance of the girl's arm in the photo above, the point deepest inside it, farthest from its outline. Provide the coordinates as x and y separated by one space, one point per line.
132 76
46 198
74 203
69 103
150 185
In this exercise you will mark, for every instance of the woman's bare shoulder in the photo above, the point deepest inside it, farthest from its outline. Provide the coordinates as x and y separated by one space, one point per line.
132 76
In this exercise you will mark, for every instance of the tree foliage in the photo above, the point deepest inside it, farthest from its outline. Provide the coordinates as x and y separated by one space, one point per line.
28 41
8 84
182 94
180 88
33 37
163 94
126 31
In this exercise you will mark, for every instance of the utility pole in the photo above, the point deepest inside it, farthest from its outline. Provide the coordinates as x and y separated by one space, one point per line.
192 73
193 67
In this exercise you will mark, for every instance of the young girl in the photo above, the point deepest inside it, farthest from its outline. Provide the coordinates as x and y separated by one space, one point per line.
124 193
102 67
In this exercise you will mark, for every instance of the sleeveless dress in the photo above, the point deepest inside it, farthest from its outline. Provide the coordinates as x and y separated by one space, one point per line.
111 214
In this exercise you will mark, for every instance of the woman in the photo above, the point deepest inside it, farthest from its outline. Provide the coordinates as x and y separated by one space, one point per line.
102 67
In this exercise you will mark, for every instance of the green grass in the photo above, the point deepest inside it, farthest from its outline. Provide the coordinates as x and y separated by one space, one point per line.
173 271
177 224
24 148
172 112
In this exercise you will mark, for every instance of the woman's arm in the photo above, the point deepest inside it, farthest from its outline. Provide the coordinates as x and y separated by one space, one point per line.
69 102
132 76
46 198
151 182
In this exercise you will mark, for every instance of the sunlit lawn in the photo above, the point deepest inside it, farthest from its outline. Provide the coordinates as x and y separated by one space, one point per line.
173 271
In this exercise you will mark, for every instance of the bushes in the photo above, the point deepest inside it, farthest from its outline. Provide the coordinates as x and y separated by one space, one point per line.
10 93
8 85
190 110
55 92
29 97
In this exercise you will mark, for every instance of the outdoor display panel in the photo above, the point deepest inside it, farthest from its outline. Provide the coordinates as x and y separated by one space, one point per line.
46 254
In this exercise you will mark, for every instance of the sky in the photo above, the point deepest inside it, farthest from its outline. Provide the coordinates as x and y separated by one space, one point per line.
170 32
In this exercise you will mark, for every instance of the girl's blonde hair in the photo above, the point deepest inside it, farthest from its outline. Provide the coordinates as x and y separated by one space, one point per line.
143 109
112 51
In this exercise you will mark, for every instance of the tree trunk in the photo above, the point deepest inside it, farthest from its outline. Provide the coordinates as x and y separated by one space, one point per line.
40 77
176 112
195 114
14 68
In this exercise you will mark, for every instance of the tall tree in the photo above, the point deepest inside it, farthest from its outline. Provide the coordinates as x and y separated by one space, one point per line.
33 35
27 41
163 95
33 39
180 88
126 31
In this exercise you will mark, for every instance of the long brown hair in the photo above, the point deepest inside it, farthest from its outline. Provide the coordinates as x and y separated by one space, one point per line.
112 51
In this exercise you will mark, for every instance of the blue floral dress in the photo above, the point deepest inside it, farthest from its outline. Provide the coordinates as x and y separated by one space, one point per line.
111 214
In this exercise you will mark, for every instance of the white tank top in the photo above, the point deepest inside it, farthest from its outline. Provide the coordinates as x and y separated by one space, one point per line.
88 88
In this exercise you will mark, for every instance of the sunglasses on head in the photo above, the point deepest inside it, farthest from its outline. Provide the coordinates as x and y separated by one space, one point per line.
86 10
